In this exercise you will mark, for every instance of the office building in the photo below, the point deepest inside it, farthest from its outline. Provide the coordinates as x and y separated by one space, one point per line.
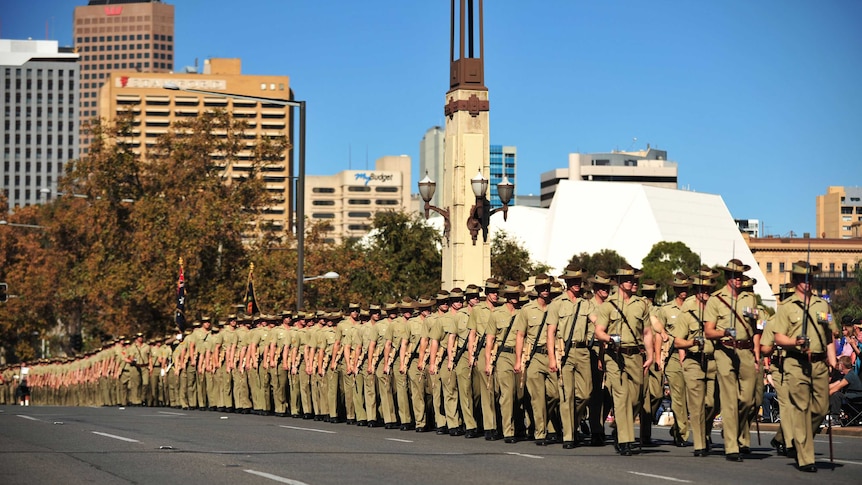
749 226
348 200
120 35
502 163
155 108
838 259
839 213
646 167
431 160
40 117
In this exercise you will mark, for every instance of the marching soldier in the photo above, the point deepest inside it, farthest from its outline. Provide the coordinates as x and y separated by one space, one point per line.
687 331
541 386
727 323
668 315
623 325
368 336
805 328
461 355
242 364
503 347
479 324
414 363
570 336
775 356
379 351
653 388
278 346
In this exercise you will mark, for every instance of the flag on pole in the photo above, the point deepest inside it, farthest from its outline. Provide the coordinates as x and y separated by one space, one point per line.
250 301
180 313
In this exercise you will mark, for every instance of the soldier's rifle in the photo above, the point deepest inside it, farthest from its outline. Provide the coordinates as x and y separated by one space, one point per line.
498 348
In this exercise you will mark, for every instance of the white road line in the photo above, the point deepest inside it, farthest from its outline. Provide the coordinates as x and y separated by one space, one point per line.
130 440
307 429
525 455
275 477
849 462
31 418
398 440
827 441
661 477
172 414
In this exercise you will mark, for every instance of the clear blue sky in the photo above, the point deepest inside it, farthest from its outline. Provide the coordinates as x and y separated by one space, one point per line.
759 101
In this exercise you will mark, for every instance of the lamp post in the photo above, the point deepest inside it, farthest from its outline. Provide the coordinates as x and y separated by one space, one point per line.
327 276
427 187
13 224
300 181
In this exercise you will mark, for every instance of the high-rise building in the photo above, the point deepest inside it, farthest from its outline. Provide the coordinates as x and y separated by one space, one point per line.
839 213
502 163
348 200
156 108
40 116
646 167
120 35
431 160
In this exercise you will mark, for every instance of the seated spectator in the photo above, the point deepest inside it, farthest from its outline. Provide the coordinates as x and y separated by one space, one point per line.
849 387
768 398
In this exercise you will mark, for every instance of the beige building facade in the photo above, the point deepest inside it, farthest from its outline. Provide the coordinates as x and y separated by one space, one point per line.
347 201
120 36
838 259
839 213
156 108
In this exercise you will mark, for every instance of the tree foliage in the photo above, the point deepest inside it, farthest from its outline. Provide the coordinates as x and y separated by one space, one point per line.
607 260
667 258
847 301
511 261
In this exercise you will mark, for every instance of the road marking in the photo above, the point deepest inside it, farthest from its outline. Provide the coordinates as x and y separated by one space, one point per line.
827 441
307 429
31 418
525 455
671 479
130 440
398 440
849 462
275 477
172 414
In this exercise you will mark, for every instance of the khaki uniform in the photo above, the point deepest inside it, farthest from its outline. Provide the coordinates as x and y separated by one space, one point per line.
229 349
735 365
383 336
784 435
504 327
417 331
669 315
806 373
570 321
624 365
278 372
686 326
398 333
462 370
480 321
241 373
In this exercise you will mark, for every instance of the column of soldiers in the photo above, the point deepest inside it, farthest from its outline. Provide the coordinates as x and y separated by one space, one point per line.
550 364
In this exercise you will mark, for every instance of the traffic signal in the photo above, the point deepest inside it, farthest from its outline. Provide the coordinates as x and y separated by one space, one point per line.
4 292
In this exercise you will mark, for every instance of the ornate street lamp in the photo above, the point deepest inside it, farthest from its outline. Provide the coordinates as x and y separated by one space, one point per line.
427 187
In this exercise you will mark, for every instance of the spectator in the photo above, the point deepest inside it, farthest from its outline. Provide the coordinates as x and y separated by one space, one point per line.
848 387
769 397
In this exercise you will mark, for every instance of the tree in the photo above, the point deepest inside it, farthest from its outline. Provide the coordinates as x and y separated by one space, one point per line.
847 301
511 261
667 258
607 260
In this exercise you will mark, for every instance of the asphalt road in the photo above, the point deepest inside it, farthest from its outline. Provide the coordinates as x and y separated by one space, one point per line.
59 445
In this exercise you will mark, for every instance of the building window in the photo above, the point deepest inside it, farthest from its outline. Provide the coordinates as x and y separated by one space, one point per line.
323 215
769 267
358 227
359 202
386 202
386 189
359 188
323 202
323 190
846 210
359 214
780 267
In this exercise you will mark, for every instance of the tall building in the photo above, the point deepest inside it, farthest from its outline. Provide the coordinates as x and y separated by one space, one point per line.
503 162
121 35
431 159
839 213
40 117
647 167
349 199
156 108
